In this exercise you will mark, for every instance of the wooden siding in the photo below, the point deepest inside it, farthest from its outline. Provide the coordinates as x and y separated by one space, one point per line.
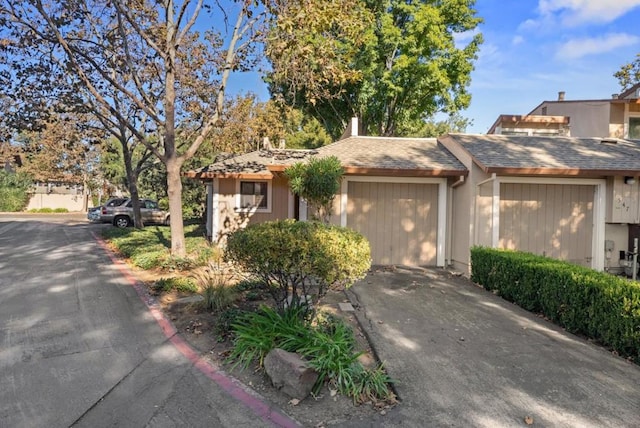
399 219
231 219
548 219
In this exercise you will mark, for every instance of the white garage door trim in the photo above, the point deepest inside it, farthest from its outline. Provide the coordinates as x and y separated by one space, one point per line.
599 201
442 204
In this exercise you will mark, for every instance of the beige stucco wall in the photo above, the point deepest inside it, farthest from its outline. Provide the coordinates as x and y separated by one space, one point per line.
616 121
619 234
53 201
587 118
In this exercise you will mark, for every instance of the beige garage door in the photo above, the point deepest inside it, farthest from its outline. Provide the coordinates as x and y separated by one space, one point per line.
549 219
399 219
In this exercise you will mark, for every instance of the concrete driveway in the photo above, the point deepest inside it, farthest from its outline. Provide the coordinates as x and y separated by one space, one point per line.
464 357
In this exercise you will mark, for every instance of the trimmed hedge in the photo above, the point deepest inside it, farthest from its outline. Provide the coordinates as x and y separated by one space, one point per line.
595 304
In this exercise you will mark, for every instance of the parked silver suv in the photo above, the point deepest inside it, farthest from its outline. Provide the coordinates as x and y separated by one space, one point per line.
149 210
106 210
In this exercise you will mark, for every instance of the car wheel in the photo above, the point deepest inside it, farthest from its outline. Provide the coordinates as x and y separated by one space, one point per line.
121 222
167 221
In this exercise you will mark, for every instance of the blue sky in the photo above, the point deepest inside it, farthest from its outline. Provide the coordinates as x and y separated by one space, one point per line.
535 48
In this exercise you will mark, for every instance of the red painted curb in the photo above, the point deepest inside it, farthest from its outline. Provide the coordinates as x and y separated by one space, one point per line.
230 385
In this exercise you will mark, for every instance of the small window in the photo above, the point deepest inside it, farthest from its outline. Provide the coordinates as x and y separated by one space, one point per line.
634 128
254 194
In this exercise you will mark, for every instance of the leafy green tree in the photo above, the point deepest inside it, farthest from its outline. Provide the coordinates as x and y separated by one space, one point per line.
436 128
629 74
318 182
14 190
406 67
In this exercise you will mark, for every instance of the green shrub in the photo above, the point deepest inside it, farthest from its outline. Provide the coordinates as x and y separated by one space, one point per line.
256 333
60 210
318 182
178 283
149 259
601 306
300 259
14 191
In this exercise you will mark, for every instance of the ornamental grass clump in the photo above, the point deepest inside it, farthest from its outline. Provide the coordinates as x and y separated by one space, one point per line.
328 345
217 288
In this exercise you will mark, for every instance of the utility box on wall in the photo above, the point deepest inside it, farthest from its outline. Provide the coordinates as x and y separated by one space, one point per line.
623 200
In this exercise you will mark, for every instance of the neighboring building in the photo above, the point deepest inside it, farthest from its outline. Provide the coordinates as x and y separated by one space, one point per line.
509 124
56 194
425 201
615 117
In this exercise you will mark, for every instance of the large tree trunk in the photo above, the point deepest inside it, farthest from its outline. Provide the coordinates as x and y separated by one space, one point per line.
174 190
132 181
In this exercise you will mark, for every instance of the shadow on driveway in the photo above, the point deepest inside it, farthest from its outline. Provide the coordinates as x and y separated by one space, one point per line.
462 356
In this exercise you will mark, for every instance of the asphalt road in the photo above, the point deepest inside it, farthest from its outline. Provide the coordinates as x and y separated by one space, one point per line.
78 347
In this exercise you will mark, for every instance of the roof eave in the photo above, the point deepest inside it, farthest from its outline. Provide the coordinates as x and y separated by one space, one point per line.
571 172
401 172
244 175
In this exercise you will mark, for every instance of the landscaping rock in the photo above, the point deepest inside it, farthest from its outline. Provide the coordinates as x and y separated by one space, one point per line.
290 373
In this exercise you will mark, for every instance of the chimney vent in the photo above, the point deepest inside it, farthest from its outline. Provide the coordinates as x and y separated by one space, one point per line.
561 96
614 96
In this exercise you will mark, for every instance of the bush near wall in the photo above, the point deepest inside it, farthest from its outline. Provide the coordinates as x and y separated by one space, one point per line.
583 301
300 258
14 189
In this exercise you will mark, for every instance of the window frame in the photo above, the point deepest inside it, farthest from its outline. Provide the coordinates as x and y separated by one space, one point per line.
632 116
253 208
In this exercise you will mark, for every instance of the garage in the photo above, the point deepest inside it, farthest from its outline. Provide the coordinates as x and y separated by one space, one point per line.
555 220
400 220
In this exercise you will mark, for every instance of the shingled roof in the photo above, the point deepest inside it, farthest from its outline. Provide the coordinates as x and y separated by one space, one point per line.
511 154
412 157
394 156
257 164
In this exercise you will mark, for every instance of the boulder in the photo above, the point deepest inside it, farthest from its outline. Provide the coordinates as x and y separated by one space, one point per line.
290 373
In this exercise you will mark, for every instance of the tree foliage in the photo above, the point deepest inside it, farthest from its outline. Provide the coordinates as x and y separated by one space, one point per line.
629 74
140 54
318 182
14 190
58 150
409 65
246 121
300 258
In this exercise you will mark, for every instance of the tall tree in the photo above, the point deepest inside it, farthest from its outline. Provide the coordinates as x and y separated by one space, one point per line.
409 65
629 74
60 149
143 51
246 121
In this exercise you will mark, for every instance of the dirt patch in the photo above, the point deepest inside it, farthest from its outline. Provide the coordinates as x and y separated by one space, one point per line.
200 328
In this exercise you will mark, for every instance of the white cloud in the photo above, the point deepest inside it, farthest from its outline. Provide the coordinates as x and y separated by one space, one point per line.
517 40
577 12
578 48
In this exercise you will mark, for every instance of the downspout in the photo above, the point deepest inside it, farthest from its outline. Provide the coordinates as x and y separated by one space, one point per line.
450 220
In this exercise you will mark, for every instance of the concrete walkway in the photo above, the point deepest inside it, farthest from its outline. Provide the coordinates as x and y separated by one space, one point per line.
464 357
